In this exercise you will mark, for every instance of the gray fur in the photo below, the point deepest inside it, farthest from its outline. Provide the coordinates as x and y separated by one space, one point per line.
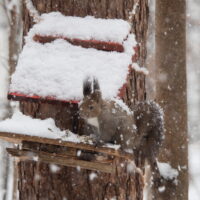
142 131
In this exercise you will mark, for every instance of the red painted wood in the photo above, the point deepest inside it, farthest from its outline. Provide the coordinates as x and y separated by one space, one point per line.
136 55
99 45
35 98
122 90
19 96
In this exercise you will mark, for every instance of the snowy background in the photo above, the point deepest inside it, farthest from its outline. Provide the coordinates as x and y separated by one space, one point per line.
193 86
193 75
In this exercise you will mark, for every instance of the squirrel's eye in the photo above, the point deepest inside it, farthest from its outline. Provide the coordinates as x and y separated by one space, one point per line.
91 107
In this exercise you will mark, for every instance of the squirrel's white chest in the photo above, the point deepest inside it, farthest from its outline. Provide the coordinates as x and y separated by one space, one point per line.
94 122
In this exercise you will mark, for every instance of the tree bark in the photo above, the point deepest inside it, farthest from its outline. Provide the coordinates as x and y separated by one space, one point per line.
171 93
36 180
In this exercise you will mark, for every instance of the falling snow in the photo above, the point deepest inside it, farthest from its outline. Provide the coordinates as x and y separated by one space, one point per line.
92 176
193 98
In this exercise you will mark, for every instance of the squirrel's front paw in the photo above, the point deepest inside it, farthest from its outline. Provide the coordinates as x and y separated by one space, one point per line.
97 142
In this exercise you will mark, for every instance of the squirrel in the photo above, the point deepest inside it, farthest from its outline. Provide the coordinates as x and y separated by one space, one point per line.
140 130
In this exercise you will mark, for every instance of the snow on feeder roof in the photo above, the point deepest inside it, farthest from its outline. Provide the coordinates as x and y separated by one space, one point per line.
52 66
87 28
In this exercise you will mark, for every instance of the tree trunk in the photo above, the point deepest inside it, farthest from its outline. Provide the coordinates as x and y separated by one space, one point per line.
171 93
36 180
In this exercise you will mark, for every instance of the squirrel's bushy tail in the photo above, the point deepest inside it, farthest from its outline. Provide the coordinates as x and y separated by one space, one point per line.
150 124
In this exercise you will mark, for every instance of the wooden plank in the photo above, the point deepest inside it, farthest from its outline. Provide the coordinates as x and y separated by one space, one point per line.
11 140
34 98
73 154
99 45
61 160
14 137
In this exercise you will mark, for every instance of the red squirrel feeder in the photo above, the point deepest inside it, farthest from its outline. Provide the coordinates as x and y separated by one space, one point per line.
60 51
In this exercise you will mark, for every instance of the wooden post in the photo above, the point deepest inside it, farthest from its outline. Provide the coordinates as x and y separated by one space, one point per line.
171 93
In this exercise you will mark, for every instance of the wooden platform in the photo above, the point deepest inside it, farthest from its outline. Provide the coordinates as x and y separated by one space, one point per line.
68 153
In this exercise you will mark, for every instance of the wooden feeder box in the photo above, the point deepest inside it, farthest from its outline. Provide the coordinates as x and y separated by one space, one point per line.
41 88
68 156
35 73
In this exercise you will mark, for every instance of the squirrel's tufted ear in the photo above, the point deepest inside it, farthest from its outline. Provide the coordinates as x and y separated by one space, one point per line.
95 85
96 90
87 87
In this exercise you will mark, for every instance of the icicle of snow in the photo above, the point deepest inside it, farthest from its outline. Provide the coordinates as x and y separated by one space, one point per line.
32 11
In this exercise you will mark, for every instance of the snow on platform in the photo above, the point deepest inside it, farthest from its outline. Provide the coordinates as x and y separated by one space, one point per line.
57 69
23 124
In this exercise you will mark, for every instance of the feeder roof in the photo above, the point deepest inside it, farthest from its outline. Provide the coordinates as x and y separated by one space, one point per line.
57 69
85 28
